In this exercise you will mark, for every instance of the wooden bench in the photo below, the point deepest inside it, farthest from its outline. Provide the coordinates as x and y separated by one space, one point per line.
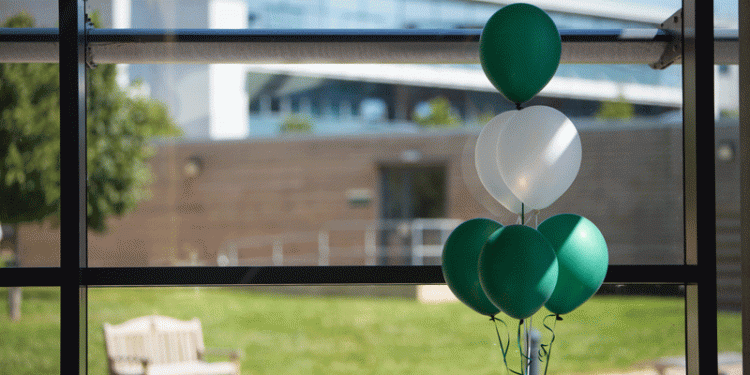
159 345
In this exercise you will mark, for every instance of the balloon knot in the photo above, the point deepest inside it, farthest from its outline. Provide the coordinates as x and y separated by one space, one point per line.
558 317
520 322
518 106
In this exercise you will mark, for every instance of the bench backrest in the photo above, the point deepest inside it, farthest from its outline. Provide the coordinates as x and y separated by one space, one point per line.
160 339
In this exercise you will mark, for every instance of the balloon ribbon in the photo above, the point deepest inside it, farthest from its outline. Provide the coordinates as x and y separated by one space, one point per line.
503 348
545 350
520 349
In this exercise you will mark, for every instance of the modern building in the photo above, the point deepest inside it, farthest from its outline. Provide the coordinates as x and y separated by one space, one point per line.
212 101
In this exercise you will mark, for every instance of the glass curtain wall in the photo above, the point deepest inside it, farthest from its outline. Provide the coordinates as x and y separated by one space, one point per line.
267 167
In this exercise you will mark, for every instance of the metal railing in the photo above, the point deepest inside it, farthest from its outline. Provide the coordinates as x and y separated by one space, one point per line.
269 249
320 46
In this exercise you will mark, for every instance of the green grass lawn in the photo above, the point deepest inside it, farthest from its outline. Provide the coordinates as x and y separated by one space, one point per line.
368 335
282 334
32 344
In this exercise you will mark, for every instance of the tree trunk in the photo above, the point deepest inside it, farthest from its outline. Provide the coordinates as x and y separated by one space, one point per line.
14 303
14 293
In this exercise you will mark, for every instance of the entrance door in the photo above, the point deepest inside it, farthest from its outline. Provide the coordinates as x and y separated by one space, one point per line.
407 193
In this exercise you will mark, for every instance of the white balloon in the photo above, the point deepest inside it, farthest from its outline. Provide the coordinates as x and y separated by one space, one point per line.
539 155
485 159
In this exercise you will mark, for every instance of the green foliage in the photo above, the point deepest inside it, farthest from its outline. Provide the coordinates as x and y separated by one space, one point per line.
29 138
441 115
615 110
729 113
485 117
119 131
296 124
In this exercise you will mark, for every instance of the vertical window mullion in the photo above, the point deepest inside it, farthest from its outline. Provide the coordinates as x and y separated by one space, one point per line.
72 184
744 56
699 188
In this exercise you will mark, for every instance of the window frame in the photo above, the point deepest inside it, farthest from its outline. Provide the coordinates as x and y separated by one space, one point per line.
698 273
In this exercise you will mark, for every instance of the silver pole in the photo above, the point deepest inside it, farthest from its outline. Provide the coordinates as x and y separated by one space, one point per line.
378 46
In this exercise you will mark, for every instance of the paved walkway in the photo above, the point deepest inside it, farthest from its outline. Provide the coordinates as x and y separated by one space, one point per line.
727 370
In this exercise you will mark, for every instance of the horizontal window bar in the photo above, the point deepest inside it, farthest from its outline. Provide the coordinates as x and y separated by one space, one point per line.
386 46
31 276
101 276
154 276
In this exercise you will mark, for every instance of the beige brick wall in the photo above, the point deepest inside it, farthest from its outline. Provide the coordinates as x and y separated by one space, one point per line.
629 185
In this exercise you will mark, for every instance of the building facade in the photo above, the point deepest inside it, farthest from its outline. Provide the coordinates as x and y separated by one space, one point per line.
392 199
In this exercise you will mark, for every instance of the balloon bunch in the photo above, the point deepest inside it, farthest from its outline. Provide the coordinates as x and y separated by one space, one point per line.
517 269
526 159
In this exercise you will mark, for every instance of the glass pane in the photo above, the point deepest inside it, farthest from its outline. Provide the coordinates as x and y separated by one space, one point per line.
393 329
726 14
365 14
45 13
728 196
325 164
30 330
728 252
30 148
285 180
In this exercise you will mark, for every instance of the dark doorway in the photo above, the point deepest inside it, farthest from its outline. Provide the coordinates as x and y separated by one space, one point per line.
407 193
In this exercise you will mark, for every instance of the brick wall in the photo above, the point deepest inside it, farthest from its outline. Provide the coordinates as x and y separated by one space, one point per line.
250 191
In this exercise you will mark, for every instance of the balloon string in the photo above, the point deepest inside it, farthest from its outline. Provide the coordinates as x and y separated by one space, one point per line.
532 214
545 351
503 348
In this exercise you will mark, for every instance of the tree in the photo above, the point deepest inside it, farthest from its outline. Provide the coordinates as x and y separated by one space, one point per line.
615 110
441 115
485 117
296 124
119 131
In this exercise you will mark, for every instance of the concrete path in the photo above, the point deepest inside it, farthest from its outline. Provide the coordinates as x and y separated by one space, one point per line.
727 370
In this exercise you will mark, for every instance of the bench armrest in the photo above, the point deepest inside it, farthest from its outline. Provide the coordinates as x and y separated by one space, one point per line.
142 360
225 352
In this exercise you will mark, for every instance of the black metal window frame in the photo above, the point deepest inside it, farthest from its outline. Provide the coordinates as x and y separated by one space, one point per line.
698 273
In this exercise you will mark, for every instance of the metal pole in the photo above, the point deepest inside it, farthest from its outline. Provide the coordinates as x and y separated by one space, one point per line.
383 46
324 248
370 246
277 255
534 338
417 239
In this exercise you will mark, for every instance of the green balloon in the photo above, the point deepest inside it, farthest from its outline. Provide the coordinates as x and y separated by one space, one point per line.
518 270
520 50
582 256
460 257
